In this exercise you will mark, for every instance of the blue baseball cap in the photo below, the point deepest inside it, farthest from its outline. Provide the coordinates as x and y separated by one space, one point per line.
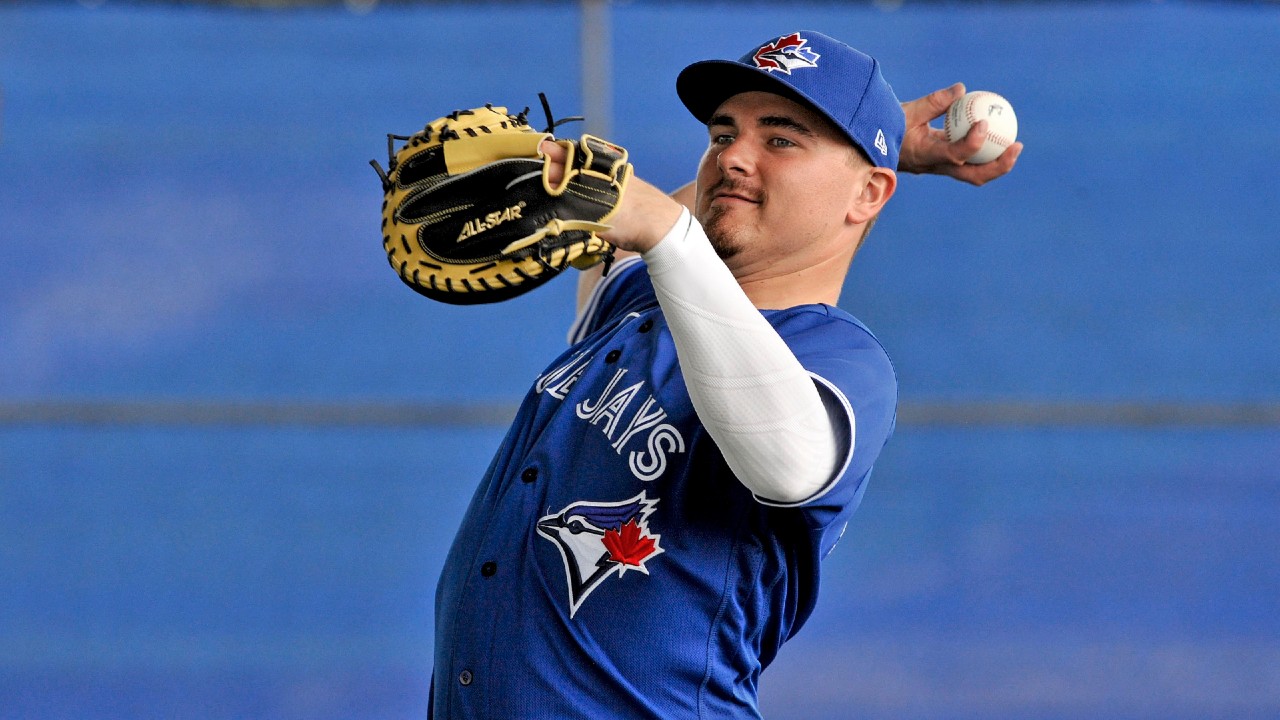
841 83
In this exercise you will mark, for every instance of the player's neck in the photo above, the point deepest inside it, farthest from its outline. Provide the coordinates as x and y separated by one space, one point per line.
776 287
814 284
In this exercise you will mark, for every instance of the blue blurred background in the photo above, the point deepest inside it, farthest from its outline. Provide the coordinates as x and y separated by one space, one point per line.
188 219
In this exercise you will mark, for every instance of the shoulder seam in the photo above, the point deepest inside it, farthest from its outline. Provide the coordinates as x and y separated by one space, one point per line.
584 319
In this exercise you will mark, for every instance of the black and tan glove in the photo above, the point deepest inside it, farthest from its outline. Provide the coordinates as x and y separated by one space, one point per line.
470 214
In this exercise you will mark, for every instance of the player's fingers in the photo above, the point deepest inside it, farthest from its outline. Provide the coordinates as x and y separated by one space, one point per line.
557 155
922 110
972 142
986 172
1007 160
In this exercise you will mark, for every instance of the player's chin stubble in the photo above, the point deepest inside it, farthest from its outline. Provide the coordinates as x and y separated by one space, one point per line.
720 232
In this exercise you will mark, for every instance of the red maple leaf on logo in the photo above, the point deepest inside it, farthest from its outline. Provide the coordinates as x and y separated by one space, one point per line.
630 546
762 55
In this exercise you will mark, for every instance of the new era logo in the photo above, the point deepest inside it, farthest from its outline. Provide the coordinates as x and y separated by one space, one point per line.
881 144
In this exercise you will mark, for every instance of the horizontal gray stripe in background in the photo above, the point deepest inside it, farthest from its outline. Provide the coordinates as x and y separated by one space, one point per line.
178 413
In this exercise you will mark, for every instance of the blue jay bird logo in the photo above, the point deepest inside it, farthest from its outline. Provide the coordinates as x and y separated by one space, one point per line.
785 54
598 540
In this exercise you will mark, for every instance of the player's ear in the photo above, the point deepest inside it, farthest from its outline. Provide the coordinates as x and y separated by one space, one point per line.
872 194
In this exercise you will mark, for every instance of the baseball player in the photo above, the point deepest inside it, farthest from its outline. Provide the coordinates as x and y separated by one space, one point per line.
652 528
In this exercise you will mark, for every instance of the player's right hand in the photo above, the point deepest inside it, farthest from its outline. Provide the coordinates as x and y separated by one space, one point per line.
925 149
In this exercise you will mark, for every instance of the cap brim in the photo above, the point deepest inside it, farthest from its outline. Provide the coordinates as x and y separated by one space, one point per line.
704 86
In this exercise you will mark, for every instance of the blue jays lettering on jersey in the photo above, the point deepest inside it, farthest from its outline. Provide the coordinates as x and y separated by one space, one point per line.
609 564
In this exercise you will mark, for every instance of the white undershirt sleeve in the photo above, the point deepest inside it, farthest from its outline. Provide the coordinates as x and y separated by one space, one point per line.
751 393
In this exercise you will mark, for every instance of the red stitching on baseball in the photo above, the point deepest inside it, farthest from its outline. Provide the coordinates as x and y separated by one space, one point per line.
968 111
973 100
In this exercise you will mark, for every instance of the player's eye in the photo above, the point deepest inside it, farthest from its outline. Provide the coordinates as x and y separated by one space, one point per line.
781 142
721 138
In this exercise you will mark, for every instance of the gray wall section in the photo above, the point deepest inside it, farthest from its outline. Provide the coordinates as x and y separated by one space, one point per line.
187 219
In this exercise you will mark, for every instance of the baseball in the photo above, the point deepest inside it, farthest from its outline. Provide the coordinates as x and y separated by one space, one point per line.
1002 124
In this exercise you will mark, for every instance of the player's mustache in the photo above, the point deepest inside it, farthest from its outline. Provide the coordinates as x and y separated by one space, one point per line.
729 186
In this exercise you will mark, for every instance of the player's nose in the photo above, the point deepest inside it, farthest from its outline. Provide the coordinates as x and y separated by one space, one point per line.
736 158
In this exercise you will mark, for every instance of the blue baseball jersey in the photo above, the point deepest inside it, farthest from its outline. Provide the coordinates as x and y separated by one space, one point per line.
610 565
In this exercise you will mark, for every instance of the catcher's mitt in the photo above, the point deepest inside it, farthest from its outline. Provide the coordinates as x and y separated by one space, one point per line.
471 216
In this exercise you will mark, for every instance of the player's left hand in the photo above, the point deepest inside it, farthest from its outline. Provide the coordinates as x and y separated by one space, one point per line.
925 149
475 212
644 215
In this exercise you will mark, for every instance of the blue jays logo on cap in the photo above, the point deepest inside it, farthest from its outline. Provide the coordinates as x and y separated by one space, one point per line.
843 84
598 540
785 54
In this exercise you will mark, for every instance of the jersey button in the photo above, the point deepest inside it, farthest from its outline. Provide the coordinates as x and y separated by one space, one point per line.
488 569
529 475
464 677
646 326
613 356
